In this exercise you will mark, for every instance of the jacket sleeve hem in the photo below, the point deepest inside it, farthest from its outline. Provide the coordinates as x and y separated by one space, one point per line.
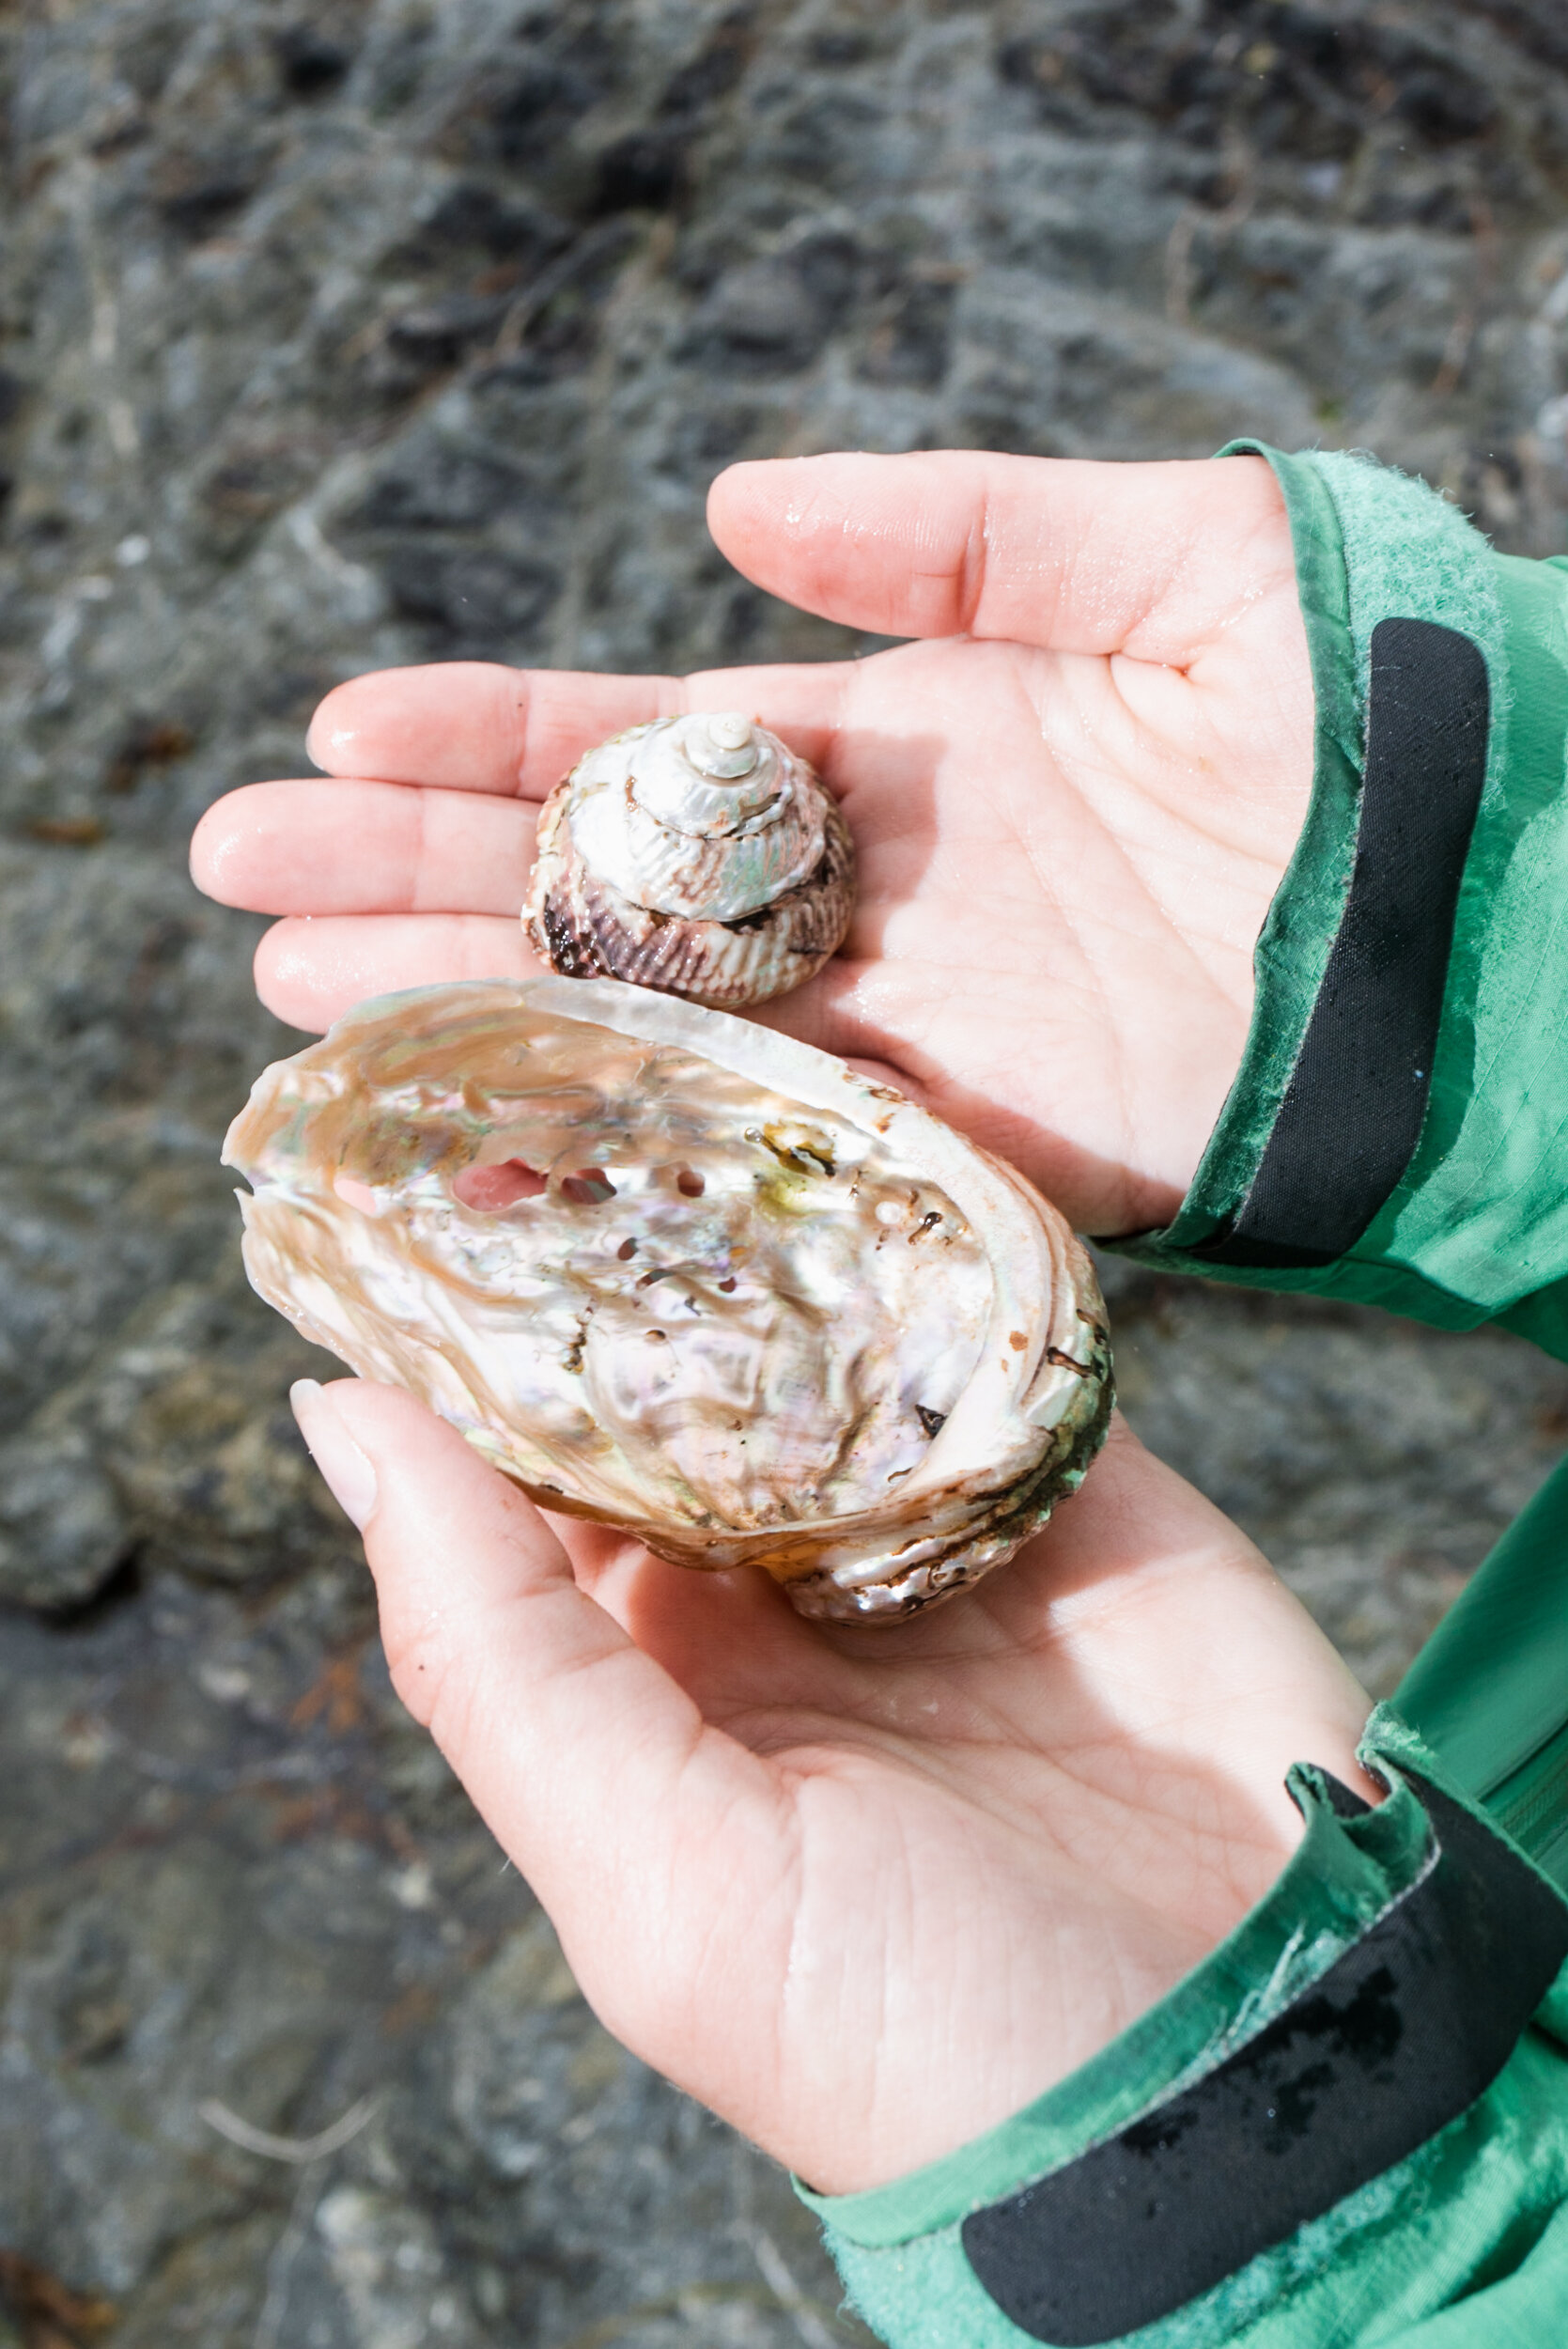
1473 1228
1408 2242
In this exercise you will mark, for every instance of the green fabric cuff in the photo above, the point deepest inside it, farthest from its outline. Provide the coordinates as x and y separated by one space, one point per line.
1477 1227
1489 1691
1470 2217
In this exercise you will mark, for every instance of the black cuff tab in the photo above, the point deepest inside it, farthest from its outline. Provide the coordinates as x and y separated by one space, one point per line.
1353 1108
1397 2039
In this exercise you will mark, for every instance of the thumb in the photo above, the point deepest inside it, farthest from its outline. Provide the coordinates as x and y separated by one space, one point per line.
1149 559
594 1769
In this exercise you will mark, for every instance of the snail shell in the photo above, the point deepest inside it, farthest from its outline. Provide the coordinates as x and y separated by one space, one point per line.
676 1273
697 855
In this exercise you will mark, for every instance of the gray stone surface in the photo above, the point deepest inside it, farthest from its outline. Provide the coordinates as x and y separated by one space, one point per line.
391 331
1373 1461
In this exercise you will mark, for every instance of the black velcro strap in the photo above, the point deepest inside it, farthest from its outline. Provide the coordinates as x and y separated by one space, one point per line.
1399 2036
1354 1105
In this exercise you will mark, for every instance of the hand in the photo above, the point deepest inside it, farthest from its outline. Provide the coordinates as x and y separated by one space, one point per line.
867 1892
1073 798
864 1893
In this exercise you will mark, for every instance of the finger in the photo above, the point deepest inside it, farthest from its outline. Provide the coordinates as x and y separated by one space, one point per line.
310 972
592 1766
1081 557
364 847
478 725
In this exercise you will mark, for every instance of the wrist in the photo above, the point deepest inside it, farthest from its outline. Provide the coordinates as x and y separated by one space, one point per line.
1392 1126
1247 2160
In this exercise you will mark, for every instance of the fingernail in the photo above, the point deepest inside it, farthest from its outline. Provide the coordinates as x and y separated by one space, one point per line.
322 739
349 1475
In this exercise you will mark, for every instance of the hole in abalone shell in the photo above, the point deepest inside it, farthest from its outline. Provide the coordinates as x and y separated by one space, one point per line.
727 1286
356 1193
490 1189
628 1247
689 1182
933 1421
590 1186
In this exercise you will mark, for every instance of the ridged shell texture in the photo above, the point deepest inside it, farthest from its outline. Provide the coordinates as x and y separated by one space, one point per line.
697 855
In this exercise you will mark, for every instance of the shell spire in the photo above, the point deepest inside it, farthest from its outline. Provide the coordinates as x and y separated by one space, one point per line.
697 855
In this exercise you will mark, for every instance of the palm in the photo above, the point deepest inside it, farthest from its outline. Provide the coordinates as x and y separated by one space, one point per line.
1069 832
864 1893
1066 862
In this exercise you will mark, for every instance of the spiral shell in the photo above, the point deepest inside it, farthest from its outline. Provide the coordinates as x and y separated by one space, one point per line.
673 1272
697 855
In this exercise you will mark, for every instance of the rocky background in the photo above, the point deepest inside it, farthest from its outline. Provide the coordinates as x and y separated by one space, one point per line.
397 329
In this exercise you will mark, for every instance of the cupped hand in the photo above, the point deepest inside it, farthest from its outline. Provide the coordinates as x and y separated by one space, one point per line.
867 1892
863 1893
1072 798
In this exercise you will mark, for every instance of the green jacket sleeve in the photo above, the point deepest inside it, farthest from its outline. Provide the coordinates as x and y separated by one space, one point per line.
1392 1138
1462 2244
1469 1221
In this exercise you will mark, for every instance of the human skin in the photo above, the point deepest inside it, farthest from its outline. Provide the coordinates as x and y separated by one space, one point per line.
867 1892
1072 799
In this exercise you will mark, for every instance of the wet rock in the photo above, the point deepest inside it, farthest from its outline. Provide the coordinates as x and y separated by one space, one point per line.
1373 1461
265 1909
63 1532
773 316
180 1437
378 332
309 62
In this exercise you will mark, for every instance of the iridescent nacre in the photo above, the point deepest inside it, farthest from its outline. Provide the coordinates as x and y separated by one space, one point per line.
690 1278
